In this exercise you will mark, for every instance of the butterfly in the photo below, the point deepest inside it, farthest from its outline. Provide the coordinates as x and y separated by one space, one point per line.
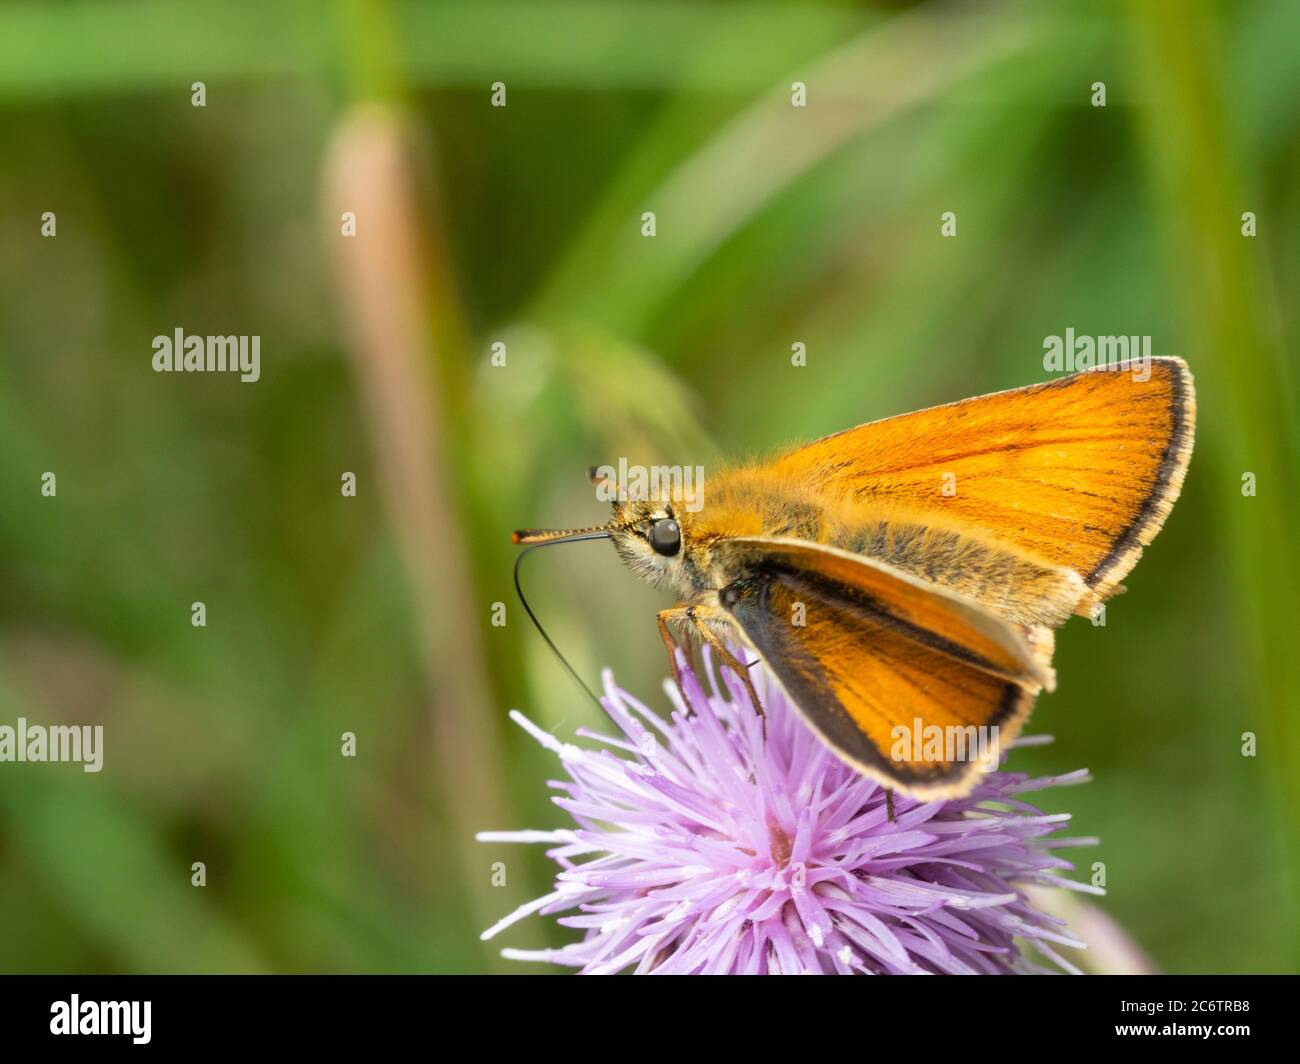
903 579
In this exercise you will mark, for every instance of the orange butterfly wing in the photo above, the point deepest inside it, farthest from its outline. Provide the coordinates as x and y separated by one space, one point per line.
1080 472
864 650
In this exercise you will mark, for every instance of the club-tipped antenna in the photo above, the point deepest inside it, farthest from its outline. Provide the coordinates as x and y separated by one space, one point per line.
539 536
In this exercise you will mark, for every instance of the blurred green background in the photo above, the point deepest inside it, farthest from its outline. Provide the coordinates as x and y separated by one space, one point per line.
522 225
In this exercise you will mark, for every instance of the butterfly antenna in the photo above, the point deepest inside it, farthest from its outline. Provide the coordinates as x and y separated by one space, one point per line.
576 538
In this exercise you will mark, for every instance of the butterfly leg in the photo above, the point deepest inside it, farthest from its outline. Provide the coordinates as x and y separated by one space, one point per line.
703 620
667 618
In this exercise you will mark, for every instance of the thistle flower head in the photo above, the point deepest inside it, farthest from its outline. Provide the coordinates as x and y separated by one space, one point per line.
713 844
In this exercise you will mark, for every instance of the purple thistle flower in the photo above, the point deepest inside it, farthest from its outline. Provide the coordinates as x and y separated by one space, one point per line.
705 847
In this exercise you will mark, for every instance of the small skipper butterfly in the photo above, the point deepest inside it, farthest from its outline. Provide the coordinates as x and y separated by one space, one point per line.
910 572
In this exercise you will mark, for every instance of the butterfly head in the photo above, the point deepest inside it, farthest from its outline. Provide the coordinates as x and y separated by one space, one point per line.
652 534
653 538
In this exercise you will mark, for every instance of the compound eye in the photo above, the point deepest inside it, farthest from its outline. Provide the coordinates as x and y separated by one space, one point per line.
666 537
